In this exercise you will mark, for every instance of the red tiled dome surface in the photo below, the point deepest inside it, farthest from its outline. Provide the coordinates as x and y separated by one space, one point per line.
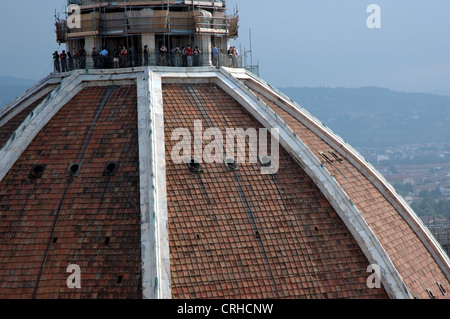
51 222
247 235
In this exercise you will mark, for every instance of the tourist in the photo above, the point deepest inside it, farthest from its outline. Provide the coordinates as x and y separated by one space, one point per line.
234 55
197 53
63 57
56 58
177 57
94 55
189 56
70 58
146 55
215 55
103 57
104 52
76 59
123 57
82 58
162 55
116 58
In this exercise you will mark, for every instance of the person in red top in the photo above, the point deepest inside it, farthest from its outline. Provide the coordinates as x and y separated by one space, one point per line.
123 57
189 53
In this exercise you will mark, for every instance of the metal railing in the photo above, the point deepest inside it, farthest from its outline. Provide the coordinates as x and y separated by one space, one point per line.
69 64
227 60
137 60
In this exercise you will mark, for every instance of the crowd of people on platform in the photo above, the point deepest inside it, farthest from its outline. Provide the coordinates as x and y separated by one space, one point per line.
184 56
232 54
65 61
123 57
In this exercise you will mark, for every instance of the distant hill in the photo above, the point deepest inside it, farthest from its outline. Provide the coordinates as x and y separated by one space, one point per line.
377 117
11 88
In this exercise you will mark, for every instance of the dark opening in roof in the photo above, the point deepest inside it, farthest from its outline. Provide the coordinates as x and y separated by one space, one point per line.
329 160
194 166
110 168
430 293
442 289
231 164
340 160
74 169
37 171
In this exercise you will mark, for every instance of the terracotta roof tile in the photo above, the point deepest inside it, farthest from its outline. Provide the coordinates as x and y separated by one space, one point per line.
51 222
247 235
8 129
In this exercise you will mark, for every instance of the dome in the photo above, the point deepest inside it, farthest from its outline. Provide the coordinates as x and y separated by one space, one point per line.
88 177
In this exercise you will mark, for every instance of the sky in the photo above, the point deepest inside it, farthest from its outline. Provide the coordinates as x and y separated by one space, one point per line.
297 43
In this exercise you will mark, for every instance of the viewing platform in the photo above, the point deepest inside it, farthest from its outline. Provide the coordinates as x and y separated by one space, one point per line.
147 26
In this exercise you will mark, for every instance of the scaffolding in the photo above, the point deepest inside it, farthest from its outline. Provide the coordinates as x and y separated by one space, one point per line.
136 17
135 24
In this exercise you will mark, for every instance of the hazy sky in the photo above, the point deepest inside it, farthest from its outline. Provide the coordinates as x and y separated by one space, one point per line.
297 42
